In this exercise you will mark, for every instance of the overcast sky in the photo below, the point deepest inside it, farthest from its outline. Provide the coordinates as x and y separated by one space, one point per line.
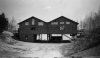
48 10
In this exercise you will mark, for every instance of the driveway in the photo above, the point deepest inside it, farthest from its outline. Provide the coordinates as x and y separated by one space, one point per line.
34 50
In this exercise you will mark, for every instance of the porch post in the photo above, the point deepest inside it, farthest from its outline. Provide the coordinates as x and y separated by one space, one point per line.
62 37
41 36
47 37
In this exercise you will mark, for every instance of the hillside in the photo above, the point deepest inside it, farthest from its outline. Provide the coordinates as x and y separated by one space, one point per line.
90 53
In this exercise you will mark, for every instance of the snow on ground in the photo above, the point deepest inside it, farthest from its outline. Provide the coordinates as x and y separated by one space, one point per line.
10 48
32 50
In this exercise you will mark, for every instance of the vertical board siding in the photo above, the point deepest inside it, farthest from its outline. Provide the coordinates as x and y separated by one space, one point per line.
47 28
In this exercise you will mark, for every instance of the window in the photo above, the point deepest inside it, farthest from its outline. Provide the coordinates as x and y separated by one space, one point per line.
54 23
33 21
49 28
33 28
40 23
26 37
39 28
67 22
61 22
62 27
26 23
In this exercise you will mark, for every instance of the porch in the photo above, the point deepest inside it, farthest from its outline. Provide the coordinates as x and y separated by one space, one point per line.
53 38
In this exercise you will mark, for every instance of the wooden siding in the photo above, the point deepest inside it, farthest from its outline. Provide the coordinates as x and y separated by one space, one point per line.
30 37
26 29
68 29
47 28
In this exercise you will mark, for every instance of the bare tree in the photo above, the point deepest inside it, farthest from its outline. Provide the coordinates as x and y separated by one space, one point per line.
91 22
12 25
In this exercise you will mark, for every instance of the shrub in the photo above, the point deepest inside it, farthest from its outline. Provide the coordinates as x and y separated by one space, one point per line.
7 39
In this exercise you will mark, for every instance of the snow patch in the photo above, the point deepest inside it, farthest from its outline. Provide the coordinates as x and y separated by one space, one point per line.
8 33
29 50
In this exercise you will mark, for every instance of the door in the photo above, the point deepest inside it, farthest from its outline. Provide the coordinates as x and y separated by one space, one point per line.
35 37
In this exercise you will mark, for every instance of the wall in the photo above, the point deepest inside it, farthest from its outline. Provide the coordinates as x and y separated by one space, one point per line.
47 28
69 28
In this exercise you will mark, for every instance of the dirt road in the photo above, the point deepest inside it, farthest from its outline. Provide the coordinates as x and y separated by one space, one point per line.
34 50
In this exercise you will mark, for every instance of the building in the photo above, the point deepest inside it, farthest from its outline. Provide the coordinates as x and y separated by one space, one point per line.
31 29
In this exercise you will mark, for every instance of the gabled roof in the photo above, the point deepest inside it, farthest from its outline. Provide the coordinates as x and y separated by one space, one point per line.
32 18
63 17
47 22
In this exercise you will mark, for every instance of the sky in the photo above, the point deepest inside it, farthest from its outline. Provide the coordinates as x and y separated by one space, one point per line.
48 10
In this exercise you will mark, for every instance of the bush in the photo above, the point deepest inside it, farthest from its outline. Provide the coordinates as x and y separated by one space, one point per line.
7 39
82 44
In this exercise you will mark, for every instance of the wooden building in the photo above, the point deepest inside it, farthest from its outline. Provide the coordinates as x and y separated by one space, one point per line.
32 27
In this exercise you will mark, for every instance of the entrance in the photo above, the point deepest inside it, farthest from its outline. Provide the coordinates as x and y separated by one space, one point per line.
35 37
56 39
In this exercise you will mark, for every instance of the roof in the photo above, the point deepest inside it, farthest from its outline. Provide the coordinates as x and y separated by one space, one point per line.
32 18
63 17
48 22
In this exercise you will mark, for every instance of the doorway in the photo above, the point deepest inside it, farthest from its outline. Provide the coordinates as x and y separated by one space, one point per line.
35 37
55 39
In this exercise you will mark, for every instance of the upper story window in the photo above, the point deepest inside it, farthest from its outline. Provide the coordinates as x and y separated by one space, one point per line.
40 23
33 21
54 23
33 28
26 23
26 37
62 27
61 22
67 22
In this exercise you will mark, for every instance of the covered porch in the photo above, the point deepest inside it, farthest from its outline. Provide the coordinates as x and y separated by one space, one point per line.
53 38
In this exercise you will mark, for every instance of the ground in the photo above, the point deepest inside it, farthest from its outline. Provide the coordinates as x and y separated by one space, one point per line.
90 53
10 48
33 50
43 50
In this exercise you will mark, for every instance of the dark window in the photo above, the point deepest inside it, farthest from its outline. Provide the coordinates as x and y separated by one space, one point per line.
26 23
61 22
62 27
54 23
39 28
40 23
44 28
26 37
67 22
49 28
33 28
33 21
